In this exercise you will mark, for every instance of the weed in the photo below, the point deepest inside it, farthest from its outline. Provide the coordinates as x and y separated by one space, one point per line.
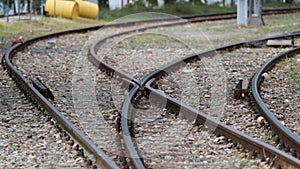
294 74
139 41
243 163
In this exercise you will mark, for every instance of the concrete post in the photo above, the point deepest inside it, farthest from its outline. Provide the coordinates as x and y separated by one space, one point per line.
242 12
115 4
31 4
257 7
255 18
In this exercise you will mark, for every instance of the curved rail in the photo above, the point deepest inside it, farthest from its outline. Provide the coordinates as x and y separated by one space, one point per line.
90 147
101 158
126 120
258 147
290 139
101 64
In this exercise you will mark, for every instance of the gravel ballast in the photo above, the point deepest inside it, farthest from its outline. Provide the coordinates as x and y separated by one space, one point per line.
65 69
280 92
233 66
28 139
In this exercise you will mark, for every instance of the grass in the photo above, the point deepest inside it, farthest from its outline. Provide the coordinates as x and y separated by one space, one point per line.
176 9
269 137
271 4
274 24
42 26
294 73
277 23
138 42
294 70
240 164
47 25
243 163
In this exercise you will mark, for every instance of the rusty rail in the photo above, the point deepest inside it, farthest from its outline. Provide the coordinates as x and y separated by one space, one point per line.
290 140
264 150
101 159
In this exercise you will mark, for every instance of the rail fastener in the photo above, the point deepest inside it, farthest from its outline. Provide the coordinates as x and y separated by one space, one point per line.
245 84
42 88
241 90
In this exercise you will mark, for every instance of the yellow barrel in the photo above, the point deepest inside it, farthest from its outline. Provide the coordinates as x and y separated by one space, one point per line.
66 9
87 9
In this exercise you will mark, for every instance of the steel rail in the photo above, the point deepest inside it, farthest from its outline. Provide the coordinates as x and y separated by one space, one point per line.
253 145
101 158
290 140
112 71
282 10
263 149
126 118
172 66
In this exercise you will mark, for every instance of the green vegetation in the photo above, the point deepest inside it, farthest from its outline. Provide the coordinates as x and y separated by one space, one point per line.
45 25
137 42
179 8
274 4
294 70
42 26
270 136
294 73
175 9
240 164
274 25
243 163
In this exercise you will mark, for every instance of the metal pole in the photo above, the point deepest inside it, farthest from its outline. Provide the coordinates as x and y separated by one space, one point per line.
31 3
42 9
7 10
250 9
19 8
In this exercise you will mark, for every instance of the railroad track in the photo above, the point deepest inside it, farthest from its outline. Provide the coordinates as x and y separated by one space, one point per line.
290 141
62 121
29 131
96 155
179 107
286 101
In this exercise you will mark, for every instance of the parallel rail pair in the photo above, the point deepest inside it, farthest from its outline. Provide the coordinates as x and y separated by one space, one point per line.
145 84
